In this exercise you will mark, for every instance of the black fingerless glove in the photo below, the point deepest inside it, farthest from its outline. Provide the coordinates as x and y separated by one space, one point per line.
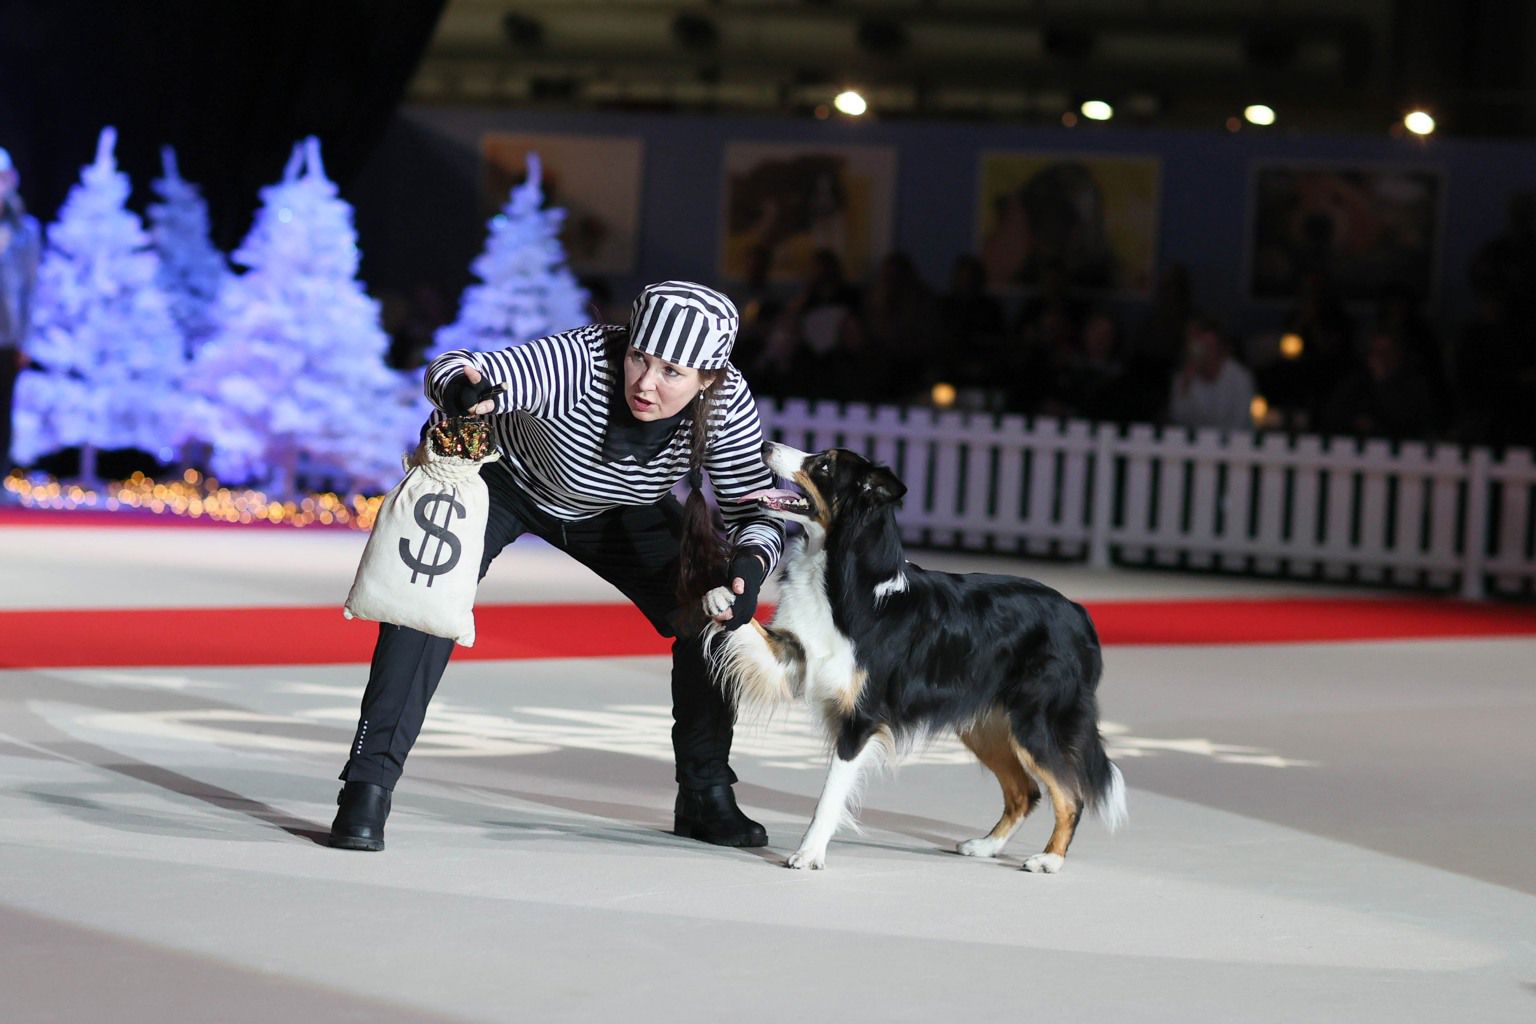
460 396
749 567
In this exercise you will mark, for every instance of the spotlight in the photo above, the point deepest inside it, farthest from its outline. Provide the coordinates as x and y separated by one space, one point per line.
850 102
1419 122
1259 114
943 395
1291 345
1097 110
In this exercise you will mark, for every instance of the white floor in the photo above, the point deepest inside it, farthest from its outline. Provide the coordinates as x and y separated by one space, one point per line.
1330 832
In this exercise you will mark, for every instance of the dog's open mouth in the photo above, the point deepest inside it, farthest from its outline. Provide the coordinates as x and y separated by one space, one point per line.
775 500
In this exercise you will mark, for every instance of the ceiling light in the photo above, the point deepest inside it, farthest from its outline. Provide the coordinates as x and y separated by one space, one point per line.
1097 110
1419 122
1259 114
850 103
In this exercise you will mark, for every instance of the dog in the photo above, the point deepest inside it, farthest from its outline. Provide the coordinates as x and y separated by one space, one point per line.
888 653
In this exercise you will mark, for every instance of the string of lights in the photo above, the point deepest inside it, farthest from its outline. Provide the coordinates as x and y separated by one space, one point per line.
195 496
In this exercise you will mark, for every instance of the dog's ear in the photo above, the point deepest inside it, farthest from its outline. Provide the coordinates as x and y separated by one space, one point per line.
884 486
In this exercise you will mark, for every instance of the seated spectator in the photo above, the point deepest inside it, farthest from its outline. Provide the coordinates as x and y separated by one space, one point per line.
1504 267
971 325
901 330
818 341
1489 397
1390 396
1038 370
760 306
1327 332
1399 313
1211 389
1097 385
1157 348
1054 296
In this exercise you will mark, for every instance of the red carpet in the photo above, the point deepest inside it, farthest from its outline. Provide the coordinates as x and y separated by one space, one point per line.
297 636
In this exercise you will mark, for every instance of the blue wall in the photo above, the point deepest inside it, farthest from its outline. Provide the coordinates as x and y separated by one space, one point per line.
419 215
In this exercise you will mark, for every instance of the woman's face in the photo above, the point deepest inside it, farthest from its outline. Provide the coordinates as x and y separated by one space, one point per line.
656 389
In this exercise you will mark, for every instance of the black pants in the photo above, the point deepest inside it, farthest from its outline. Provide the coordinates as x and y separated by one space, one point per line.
635 548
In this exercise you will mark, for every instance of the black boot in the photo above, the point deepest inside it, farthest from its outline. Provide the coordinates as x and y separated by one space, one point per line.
711 814
359 824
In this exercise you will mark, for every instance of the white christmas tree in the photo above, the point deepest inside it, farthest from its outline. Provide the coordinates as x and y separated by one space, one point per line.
191 270
527 291
105 355
295 371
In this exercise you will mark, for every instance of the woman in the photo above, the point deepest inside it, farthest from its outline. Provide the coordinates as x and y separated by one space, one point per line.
595 428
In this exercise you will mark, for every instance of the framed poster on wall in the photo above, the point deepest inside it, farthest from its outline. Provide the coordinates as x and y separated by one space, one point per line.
1367 228
1092 215
595 179
784 202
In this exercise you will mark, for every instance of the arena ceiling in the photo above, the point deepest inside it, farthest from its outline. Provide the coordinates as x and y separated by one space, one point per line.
1321 64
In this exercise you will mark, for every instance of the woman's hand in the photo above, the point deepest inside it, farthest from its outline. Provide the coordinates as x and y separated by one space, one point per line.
733 605
467 394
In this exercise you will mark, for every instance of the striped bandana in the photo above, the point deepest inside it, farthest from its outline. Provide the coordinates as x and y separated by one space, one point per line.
685 324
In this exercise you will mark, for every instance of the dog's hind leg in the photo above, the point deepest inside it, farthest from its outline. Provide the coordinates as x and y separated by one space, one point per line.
832 809
992 744
1068 808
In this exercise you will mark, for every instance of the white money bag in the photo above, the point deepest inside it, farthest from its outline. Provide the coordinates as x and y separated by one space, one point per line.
421 565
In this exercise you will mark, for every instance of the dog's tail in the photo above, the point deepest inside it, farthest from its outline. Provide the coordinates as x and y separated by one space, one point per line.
1105 789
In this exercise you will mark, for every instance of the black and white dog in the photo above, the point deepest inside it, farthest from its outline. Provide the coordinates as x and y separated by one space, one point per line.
886 653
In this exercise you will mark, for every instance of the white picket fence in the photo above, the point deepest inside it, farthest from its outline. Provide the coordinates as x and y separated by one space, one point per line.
1409 514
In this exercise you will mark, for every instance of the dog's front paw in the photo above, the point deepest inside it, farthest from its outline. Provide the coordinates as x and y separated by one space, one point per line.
986 846
718 601
1044 863
803 859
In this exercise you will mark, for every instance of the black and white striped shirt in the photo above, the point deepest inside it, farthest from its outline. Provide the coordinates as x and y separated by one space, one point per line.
550 422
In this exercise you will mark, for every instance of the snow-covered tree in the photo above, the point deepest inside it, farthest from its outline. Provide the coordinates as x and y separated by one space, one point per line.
105 354
192 270
296 368
526 289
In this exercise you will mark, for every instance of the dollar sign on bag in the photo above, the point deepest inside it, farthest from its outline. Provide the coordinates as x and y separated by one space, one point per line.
426 512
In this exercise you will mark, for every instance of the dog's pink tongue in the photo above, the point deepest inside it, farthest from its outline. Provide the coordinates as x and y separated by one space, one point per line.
769 494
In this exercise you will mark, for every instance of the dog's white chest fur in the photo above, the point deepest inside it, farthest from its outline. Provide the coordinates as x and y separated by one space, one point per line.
830 661
823 669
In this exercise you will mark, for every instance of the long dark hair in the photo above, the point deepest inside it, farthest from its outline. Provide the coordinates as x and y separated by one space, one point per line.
703 555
